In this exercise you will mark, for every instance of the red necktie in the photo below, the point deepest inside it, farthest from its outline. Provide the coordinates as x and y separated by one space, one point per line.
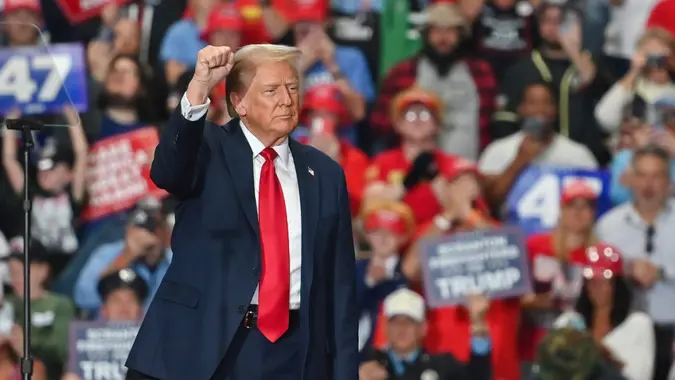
273 295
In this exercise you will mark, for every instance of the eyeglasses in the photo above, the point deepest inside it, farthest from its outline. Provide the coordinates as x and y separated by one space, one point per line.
412 116
649 246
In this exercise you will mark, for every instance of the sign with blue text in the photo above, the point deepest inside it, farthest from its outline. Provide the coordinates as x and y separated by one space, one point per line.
534 201
99 349
490 262
42 80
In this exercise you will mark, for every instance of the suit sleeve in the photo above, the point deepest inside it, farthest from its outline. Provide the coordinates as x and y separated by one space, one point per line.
344 303
175 167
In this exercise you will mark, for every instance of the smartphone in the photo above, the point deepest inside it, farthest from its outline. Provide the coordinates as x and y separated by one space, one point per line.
656 61
534 127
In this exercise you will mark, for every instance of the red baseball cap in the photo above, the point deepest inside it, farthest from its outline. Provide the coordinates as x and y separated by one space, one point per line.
577 190
303 10
225 16
325 97
453 167
602 260
388 215
15 5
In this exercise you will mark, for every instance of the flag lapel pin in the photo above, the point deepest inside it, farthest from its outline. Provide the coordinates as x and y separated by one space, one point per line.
311 171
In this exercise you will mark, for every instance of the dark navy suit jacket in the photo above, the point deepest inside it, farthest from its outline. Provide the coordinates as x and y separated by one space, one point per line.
216 263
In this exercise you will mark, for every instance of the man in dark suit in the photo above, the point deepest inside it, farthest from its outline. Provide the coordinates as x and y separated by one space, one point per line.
253 293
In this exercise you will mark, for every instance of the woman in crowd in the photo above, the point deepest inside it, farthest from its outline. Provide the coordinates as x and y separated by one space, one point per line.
556 258
647 80
604 309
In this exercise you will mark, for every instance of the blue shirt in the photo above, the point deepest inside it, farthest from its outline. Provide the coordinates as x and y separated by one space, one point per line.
354 67
622 160
86 293
181 43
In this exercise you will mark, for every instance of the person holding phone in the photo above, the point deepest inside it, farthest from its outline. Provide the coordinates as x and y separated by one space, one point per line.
648 79
143 249
560 62
408 172
537 142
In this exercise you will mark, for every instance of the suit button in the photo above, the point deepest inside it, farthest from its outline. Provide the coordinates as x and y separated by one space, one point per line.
256 271
241 308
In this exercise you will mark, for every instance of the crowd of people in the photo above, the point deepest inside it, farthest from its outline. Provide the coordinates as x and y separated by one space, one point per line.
439 112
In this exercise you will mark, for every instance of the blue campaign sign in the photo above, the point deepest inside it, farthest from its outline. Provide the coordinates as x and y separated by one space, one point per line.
534 200
99 349
40 79
490 262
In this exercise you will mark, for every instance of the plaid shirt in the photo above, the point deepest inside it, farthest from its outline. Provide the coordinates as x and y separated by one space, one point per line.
403 76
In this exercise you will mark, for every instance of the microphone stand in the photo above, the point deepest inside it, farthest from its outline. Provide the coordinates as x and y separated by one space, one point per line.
26 127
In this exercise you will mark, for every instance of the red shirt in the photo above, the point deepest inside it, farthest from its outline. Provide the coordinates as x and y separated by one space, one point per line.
535 322
355 163
392 166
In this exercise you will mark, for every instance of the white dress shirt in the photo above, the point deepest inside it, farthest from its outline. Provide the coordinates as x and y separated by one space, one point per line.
285 169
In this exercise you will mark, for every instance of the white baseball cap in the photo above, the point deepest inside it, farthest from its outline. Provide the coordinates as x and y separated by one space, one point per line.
404 302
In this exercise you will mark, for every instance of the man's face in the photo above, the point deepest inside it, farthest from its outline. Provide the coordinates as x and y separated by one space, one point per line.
652 180
404 333
417 122
226 37
271 102
20 26
122 305
127 37
538 103
443 40
549 26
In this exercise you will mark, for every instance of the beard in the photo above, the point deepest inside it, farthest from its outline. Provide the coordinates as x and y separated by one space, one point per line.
112 100
442 61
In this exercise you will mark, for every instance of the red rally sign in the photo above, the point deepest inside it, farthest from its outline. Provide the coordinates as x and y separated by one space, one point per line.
77 11
118 173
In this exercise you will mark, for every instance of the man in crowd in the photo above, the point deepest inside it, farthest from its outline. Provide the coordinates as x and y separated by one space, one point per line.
123 294
144 249
465 84
643 229
408 172
537 142
405 359
560 62
51 313
323 61
22 20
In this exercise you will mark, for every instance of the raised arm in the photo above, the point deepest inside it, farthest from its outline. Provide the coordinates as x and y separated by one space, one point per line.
175 167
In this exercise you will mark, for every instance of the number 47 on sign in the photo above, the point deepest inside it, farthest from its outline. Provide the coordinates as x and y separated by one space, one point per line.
534 202
37 80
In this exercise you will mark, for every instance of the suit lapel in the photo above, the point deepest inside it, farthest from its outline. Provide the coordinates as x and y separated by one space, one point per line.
308 185
239 161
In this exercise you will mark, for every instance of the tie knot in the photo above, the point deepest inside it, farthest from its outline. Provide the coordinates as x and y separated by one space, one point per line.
269 154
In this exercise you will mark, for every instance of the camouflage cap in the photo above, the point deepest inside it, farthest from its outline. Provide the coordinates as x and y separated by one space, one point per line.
567 354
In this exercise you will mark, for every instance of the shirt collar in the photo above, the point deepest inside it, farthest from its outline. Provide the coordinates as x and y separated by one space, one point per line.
410 358
257 147
634 217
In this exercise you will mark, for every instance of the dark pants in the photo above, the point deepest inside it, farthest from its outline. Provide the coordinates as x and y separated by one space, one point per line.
252 357
663 359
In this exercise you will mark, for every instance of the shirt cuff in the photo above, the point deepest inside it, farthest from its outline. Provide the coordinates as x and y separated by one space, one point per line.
193 113
480 345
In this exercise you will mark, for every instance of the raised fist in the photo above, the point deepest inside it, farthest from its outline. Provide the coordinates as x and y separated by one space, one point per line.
213 65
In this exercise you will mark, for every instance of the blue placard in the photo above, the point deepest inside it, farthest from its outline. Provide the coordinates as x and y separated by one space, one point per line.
534 200
490 262
99 349
38 79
